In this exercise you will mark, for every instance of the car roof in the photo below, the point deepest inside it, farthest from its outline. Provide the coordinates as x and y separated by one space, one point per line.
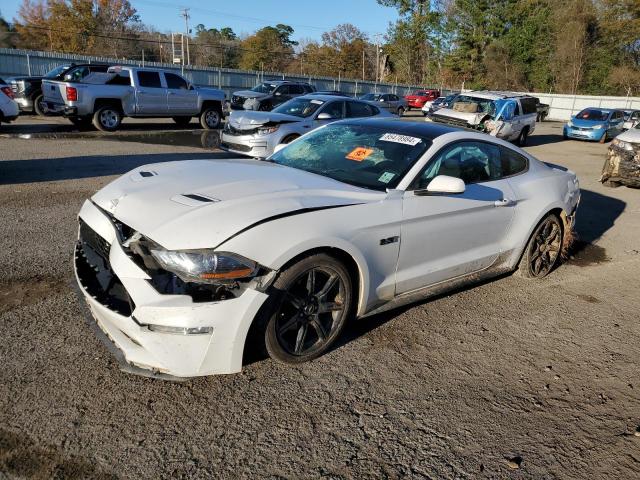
495 95
327 97
426 130
283 82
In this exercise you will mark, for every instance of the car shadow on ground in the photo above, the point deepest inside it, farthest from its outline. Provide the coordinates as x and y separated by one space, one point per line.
43 125
70 168
597 213
536 140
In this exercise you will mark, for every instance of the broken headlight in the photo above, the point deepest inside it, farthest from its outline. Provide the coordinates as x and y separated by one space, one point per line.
267 130
622 144
205 266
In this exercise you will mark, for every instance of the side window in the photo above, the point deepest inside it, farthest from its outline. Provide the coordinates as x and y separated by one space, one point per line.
512 163
335 109
149 79
529 105
282 90
473 162
175 81
394 98
296 89
78 74
517 110
359 109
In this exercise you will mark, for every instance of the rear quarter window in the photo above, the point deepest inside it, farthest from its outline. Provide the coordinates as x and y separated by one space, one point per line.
528 105
512 163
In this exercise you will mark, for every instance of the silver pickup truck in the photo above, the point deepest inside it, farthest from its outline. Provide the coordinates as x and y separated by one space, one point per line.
105 98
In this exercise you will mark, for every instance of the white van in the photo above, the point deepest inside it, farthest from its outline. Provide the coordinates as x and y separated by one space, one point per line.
507 115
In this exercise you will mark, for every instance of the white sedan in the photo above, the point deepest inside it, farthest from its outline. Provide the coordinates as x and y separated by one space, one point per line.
181 261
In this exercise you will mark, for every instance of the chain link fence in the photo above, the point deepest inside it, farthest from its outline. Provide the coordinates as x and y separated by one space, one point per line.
15 62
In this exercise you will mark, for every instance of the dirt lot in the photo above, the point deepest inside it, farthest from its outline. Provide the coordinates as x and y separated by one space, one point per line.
510 379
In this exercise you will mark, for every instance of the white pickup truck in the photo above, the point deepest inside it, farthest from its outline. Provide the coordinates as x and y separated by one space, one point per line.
105 98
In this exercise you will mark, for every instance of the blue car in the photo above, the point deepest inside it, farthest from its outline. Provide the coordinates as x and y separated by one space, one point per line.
596 124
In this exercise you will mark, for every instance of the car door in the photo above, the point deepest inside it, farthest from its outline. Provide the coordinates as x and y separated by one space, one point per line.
151 96
617 119
446 236
281 95
334 108
181 98
357 109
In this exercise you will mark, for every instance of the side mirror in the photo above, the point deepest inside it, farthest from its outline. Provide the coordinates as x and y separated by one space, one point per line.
279 147
324 116
381 100
443 184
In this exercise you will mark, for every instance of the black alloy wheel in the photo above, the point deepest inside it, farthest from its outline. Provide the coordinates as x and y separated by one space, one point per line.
543 249
312 304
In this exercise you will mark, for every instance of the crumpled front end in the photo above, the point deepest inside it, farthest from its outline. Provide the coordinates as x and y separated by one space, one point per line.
622 165
157 323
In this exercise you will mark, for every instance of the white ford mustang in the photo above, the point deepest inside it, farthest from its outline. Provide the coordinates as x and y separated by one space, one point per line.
180 261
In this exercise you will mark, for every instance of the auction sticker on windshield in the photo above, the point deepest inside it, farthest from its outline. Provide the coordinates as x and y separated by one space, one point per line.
358 154
405 139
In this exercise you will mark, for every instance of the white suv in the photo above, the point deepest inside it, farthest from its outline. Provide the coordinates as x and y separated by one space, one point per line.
506 115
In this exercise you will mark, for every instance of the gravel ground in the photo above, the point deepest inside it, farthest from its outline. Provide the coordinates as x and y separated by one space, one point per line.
509 379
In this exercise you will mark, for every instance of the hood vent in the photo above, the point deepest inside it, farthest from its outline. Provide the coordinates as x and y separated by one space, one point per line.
193 199
141 175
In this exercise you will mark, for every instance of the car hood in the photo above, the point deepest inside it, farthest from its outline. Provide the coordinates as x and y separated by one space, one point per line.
202 203
632 136
587 123
470 118
247 119
250 94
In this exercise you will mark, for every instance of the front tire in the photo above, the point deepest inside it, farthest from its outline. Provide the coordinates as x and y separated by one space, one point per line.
543 249
107 118
210 118
38 105
310 306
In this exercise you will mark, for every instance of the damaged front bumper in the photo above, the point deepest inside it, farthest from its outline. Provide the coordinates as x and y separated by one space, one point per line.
622 165
250 145
169 334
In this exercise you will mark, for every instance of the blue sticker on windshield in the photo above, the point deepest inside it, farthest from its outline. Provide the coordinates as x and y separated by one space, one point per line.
386 177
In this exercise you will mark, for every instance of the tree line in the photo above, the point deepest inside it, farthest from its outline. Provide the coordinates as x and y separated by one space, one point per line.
559 46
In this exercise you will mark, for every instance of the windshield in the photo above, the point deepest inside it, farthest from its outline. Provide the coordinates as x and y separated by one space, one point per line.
370 96
299 107
593 114
264 88
475 104
57 71
371 157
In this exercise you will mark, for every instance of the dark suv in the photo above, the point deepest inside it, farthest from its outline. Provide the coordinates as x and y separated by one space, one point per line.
269 94
28 90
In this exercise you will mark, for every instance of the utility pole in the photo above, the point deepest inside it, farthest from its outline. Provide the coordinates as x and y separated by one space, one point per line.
185 14
363 45
377 37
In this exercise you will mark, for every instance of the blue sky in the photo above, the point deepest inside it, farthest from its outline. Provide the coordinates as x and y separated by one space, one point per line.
308 18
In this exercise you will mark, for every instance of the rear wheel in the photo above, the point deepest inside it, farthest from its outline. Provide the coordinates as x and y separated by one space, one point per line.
400 111
543 250
38 105
210 118
309 309
182 121
290 138
107 118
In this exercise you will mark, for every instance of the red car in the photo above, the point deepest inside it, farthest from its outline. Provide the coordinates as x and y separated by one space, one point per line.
418 98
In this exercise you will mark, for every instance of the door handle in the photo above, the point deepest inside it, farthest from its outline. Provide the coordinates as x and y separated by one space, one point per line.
505 202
